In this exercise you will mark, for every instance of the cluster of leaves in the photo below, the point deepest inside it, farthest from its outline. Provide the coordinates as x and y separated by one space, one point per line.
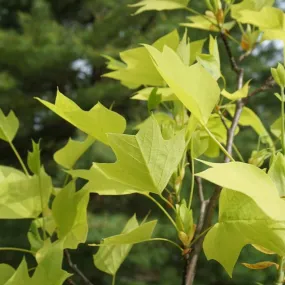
190 117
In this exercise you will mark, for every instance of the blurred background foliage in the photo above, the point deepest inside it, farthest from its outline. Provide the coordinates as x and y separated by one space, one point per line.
50 43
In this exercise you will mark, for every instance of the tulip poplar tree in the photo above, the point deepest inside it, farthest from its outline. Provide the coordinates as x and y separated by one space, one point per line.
193 121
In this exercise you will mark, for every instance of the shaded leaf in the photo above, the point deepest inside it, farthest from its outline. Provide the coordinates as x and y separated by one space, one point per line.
165 93
241 93
263 249
34 158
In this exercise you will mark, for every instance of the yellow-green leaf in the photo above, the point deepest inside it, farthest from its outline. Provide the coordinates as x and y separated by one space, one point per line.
145 163
8 126
72 151
166 94
159 5
69 210
193 85
242 93
139 68
104 120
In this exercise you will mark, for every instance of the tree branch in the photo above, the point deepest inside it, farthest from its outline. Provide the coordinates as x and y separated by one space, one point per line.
208 207
76 269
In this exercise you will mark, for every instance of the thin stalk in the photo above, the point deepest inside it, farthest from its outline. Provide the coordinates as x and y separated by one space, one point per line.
282 118
17 249
281 275
42 206
199 14
238 153
218 143
114 279
19 158
166 240
192 177
163 210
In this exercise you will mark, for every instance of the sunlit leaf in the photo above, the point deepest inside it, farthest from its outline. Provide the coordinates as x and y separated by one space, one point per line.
145 163
183 49
139 68
34 158
242 222
263 249
20 276
8 126
72 151
193 85
241 93
195 49
104 120
252 5
207 23
153 100
166 94
69 210
247 179
159 5
114 250
21 196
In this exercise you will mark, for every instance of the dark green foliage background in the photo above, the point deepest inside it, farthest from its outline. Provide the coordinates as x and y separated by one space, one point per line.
40 40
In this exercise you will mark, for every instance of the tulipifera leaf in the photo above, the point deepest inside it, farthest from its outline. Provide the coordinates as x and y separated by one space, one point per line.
159 5
193 85
242 93
8 126
6 272
153 100
114 250
20 276
260 265
165 93
139 68
107 120
145 163
69 210
72 151
34 158
22 196
242 222
183 49
252 5
211 61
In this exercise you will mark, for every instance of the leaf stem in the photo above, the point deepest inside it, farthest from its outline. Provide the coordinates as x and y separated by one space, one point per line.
218 143
282 118
19 158
166 240
281 276
192 176
114 279
167 202
163 210
17 249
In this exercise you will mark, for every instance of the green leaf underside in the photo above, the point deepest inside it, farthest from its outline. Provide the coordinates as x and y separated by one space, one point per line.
20 196
277 173
34 158
104 120
114 250
242 222
145 163
192 85
72 151
69 210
